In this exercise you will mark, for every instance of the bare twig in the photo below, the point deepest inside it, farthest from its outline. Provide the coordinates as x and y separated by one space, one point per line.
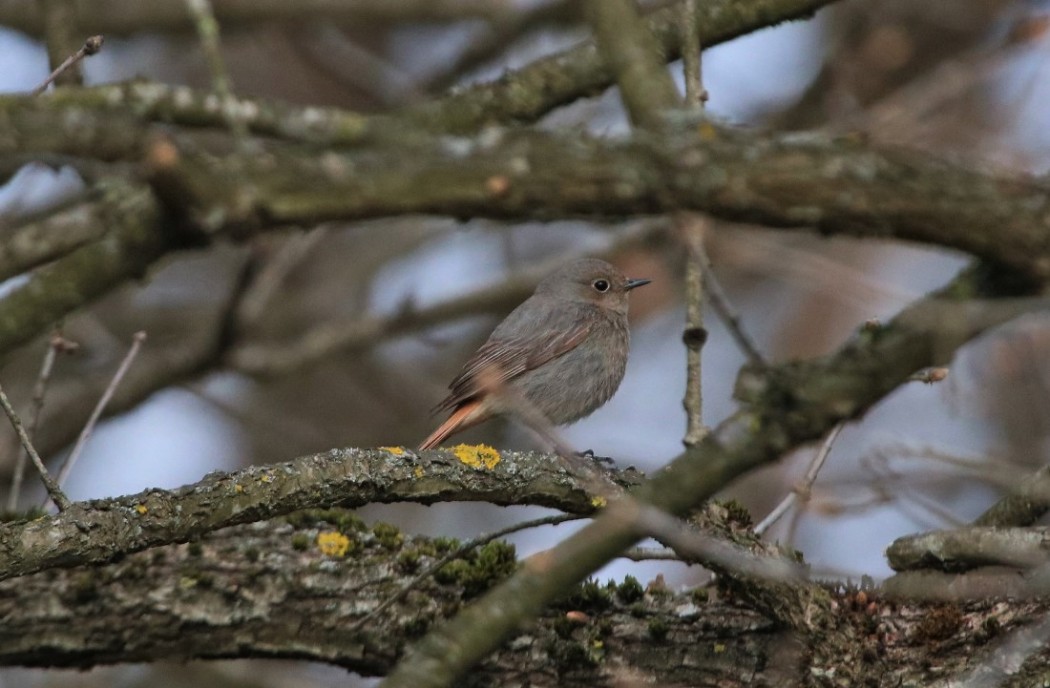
89 427
461 551
208 32
802 490
716 296
261 290
652 554
692 229
56 344
91 46
692 69
60 499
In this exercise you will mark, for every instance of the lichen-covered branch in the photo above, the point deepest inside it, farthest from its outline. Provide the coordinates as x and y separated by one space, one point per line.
111 117
131 218
835 186
634 58
244 592
101 530
36 242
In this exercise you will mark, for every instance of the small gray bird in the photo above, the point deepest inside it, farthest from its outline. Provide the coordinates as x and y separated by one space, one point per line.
564 350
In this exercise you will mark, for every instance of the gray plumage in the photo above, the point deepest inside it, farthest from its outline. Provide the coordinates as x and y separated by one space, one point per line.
563 350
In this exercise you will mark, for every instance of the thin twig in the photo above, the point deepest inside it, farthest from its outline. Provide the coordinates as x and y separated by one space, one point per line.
461 551
208 33
260 291
56 344
67 466
692 70
653 554
716 296
692 228
802 490
697 546
91 46
60 499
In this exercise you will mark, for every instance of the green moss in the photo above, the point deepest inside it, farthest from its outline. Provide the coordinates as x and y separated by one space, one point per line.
408 561
343 520
84 587
194 549
388 536
589 596
630 590
569 655
444 545
301 542
252 554
737 513
479 569
418 626
30 514
700 595
657 629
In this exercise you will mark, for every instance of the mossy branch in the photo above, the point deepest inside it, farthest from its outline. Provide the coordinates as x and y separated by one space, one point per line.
101 530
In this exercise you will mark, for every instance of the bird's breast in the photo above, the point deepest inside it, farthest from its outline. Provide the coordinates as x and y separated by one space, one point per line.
575 384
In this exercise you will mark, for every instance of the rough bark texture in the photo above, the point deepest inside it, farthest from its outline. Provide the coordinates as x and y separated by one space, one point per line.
245 592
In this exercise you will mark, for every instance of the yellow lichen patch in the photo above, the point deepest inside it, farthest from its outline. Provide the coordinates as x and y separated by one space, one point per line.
141 509
238 488
418 471
707 132
599 502
266 478
396 451
719 648
332 543
477 455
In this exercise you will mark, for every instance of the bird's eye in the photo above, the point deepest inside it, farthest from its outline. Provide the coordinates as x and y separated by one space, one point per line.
601 285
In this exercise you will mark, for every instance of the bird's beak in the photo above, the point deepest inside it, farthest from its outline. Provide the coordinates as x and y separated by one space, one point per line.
632 283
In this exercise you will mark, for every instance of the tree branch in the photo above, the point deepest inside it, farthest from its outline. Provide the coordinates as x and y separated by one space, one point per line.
832 185
101 530
244 592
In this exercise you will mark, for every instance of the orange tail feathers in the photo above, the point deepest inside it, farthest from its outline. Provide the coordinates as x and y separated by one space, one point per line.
462 418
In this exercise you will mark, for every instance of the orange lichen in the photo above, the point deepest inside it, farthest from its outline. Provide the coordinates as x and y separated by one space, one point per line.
141 509
396 451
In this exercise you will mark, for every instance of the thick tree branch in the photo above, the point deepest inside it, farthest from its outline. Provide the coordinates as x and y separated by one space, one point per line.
100 530
133 241
244 592
836 186
38 241
633 55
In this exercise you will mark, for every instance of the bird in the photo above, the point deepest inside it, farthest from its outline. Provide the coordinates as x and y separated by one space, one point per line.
563 351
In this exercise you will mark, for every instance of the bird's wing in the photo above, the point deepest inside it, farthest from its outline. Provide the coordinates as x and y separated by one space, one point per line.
502 360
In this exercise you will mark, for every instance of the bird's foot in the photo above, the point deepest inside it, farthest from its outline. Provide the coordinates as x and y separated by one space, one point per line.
589 454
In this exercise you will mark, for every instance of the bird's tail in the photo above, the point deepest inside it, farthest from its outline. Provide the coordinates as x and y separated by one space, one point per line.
461 419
